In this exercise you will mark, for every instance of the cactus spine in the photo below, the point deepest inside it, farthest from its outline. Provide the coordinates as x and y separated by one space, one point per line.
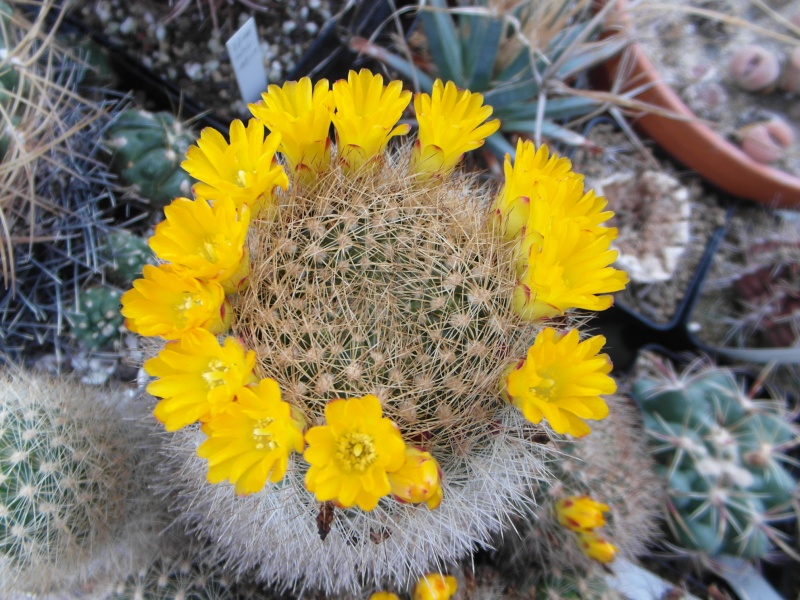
722 454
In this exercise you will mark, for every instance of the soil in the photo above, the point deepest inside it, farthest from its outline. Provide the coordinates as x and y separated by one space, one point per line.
189 52
639 223
692 43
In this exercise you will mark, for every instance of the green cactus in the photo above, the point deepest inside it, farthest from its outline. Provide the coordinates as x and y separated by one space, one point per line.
516 58
67 465
722 454
96 320
148 150
126 255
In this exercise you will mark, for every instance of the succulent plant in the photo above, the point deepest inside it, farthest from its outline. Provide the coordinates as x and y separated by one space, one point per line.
612 466
378 319
57 195
723 456
520 58
69 508
126 254
148 149
95 320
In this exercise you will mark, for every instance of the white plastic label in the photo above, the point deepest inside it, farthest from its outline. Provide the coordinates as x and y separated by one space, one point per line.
244 50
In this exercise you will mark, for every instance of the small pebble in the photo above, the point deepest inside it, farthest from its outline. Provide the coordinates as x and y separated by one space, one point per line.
127 26
288 27
311 28
755 68
768 141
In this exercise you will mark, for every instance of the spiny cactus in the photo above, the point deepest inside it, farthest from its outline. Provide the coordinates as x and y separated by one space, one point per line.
518 57
126 255
612 467
378 311
57 197
148 148
723 456
95 319
69 510
571 584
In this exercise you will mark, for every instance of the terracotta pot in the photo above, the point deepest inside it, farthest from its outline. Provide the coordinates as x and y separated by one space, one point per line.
693 143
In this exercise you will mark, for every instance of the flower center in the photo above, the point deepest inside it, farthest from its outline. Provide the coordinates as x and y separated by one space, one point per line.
189 302
215 376
262 436
242 178
356 451
544 388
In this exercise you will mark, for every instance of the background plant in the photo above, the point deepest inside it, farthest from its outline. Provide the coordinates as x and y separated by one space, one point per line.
723 456
522 56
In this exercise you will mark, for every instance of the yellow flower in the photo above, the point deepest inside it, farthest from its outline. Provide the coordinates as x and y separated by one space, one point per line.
561 380
595 547
435 586
562 200
568 269
251 441
197 377
205 241
581 513
511 207
302 117
384 596
418 480
451 122
167 304
366 115
351 454
245 170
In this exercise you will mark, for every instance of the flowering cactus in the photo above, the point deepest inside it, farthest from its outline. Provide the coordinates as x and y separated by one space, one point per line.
376 360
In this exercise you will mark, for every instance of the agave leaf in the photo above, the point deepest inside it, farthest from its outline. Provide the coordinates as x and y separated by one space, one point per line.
405 67
519 68
515 93
760 355
480 38
499 145
443 42
556 108
589 56
548 129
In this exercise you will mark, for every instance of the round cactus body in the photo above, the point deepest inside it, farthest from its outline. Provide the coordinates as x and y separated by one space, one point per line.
96 320
126 254
66 468
148 149
723 459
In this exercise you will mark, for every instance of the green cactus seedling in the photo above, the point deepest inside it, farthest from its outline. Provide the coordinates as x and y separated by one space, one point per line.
148 149
126 254
96 320
722 454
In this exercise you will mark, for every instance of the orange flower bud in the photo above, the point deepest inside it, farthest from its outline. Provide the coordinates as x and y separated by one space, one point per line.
580 513
384 596
435 586
418 480
596 547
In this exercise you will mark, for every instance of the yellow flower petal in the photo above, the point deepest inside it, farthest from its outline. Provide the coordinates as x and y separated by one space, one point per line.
245 170
580 513
365 118
435 586
418 480
302 117
351 454
596 547
251 440
197 377
166 304
451 122
204 241
562 380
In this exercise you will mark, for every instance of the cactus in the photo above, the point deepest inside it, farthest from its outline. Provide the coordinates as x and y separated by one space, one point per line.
611 466
69 508
58 198
126 255
96 320
148 148
516 58
383 311
722 455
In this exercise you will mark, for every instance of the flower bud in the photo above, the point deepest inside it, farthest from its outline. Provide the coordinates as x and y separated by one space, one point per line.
596 548
580 513
384 596
435 586
418 480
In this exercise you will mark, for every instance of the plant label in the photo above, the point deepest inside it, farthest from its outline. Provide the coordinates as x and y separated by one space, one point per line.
247 59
